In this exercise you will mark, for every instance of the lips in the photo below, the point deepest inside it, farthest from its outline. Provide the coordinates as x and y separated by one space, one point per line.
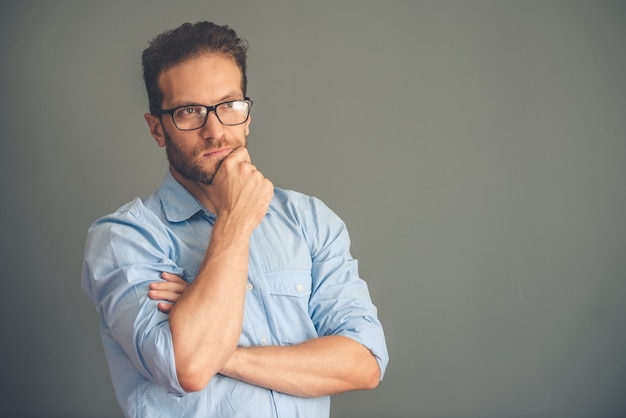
218 153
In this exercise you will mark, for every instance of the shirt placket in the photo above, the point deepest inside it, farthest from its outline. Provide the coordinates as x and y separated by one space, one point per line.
255 319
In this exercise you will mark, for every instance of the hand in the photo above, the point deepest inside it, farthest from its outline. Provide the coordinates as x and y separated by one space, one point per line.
170 291
240 191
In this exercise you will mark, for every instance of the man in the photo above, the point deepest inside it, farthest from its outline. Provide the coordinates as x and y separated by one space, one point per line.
220 295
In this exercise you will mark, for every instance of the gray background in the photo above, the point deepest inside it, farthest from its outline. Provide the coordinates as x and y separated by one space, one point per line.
475 149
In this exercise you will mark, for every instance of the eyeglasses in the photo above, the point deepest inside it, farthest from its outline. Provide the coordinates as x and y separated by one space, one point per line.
190 117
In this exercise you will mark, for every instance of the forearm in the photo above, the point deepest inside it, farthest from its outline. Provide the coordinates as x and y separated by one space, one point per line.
206 321
318 367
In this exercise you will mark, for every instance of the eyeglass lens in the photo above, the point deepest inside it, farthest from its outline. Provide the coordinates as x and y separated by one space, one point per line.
195 116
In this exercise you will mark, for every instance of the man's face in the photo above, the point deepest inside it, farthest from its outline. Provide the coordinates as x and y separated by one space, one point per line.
208 79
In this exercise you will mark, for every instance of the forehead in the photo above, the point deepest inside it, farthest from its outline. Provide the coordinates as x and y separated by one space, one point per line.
204 79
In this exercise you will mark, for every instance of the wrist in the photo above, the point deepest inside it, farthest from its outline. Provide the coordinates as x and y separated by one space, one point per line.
230 367
231 229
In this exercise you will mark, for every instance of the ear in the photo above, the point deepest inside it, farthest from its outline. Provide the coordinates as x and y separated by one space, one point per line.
247 125
156 128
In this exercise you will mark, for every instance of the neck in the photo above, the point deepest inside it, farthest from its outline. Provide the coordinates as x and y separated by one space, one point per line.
202 192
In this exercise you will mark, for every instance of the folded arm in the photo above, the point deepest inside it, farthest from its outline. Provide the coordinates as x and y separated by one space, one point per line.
318 367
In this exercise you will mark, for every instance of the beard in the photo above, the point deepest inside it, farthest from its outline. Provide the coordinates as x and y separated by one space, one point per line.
189 165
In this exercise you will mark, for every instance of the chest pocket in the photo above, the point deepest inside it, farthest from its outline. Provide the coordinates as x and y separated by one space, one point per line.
289 294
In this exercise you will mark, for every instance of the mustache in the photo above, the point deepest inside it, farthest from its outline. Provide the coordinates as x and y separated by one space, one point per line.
202 150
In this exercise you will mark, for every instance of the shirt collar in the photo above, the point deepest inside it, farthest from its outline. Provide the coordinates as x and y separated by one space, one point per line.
180 205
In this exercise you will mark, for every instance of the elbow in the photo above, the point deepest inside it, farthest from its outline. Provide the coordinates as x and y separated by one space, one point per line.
192 386
372 384
372 379
195 378
367 378
366 371
193 383
195 375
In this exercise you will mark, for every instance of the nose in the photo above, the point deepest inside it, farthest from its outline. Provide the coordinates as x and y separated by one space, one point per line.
213 128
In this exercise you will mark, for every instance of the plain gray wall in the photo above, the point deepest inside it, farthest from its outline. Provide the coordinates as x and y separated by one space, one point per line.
476 150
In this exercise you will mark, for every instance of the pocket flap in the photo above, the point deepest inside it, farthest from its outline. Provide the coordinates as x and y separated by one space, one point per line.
295 283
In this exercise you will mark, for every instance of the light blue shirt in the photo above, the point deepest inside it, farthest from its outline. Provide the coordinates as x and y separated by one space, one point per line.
302 283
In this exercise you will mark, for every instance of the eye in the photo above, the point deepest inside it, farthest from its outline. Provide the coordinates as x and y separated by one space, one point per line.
189 111
234 106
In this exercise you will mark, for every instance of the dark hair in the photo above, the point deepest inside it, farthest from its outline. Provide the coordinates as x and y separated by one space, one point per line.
187 41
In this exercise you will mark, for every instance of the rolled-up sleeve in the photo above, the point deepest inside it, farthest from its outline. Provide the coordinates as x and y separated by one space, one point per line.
340 302
123 255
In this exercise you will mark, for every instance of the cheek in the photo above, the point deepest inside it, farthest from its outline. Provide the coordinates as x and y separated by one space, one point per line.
238 135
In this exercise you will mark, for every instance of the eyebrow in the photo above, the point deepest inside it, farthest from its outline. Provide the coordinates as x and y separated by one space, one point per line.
232 95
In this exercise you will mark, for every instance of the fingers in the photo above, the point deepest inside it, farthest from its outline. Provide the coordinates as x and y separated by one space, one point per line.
169 290
239 155
240 159
168 295
172 278
173 287
165 307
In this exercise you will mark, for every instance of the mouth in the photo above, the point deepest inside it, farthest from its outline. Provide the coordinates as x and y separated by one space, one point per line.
220 153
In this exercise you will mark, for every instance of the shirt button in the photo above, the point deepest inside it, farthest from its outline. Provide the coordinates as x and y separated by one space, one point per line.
299 287
249 286
263 340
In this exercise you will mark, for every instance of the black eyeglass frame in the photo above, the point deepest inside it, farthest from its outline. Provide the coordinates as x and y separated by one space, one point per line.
209 109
